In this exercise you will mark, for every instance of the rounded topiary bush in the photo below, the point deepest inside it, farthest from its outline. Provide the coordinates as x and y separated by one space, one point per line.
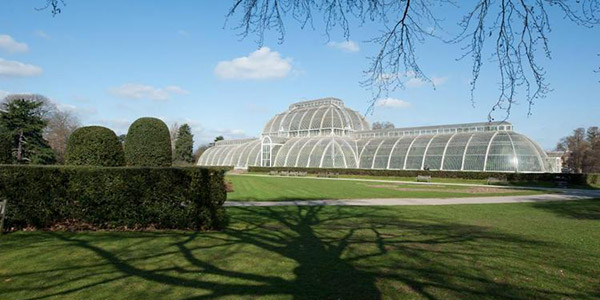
94 146
148 144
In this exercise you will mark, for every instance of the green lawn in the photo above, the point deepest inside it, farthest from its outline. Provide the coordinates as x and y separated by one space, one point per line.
398 178
456 180
492 251
262 188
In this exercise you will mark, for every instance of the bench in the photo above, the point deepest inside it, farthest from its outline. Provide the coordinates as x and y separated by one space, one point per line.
328 174
561 182
494 180
423 178
2 213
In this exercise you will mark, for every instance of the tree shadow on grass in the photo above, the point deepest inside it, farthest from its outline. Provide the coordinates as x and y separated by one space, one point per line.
325 253
581 209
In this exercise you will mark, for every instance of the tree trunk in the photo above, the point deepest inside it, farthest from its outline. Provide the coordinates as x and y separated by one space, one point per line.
20 147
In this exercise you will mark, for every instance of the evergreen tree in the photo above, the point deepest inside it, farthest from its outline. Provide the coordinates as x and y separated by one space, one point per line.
22 116
5 146
184 145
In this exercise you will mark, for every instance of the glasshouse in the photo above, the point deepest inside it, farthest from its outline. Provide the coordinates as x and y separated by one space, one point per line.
324 133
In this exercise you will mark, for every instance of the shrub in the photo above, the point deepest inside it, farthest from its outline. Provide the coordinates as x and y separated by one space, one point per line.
106 197
94 146
573 179
148 144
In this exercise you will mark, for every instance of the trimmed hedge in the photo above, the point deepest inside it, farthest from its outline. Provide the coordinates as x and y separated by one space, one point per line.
94 146
573 179
148 144
103 197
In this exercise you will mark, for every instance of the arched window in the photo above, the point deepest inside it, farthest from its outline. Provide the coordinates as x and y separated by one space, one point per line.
267 152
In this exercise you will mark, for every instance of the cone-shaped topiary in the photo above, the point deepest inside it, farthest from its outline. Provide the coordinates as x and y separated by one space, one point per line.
94 146
148 143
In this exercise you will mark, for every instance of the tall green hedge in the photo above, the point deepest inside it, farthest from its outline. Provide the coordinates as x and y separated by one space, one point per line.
94 146
148 144
104 197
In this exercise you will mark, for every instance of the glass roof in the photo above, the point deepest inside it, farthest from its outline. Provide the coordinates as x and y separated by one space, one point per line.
323 133
319 117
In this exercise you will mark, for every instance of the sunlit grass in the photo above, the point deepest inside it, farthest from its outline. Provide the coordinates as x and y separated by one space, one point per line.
262 188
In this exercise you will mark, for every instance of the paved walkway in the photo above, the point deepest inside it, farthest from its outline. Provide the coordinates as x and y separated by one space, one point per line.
416 201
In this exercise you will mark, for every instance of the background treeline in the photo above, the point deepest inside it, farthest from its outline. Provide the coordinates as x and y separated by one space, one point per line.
108 182
33 130
582 150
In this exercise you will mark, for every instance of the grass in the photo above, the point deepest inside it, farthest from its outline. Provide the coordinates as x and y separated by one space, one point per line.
261 188
457 180
493 251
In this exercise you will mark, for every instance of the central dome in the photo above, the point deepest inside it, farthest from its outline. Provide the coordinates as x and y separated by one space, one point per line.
319 117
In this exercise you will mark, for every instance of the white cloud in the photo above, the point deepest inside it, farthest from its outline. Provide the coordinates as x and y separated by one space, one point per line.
392 102
42 34
414 82
78 110
182 32
119 126
18 69
176 90
346 46
3 94
438 80
8 44
202 135
141 91
260 64
411 81
208 135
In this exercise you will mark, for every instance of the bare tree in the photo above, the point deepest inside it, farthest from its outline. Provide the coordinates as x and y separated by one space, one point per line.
173 132
518 30
60 126
199 151
382 125
582 150
513 34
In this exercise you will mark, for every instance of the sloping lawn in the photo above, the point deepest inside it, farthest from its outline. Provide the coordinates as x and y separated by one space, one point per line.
262 188
493 251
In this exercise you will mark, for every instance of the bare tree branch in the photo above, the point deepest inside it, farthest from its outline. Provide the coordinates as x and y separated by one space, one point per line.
520 29
55 6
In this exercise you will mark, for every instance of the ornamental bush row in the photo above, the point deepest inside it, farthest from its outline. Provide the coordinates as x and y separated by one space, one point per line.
94 146
148 144
573 179
102 197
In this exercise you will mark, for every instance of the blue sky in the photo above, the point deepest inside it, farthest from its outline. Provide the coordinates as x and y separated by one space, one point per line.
114 61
